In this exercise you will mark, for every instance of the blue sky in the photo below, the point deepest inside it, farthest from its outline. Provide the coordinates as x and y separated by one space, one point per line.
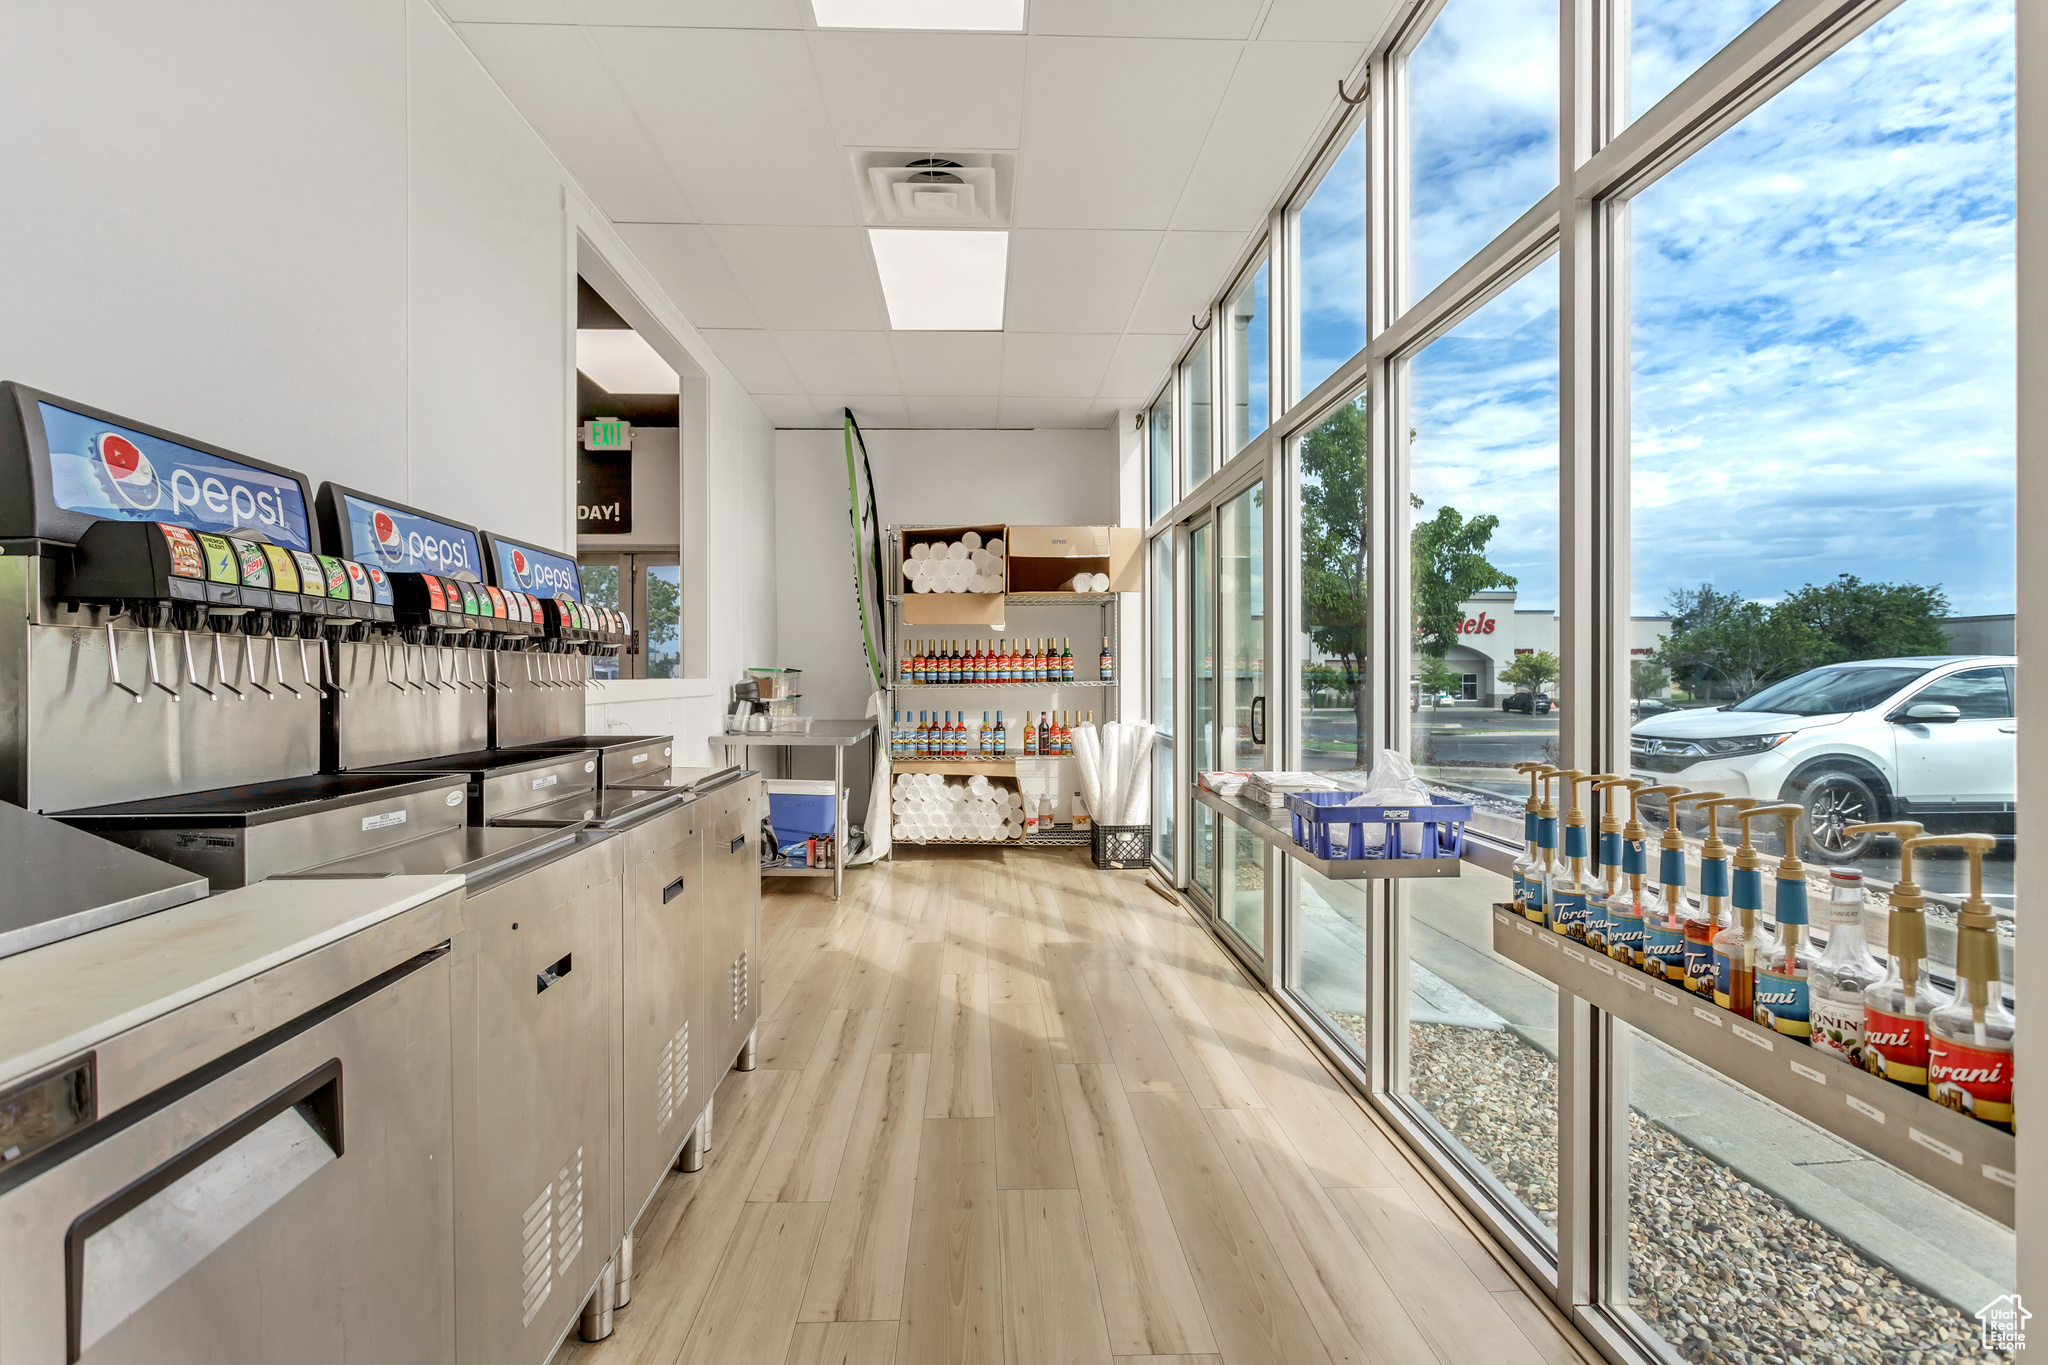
1822 310
1823 328
1483 404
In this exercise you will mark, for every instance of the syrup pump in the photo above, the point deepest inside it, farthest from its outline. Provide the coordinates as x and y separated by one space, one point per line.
1606 861
1784 996
1569 893
1626 906
1739 944
1528 868
1701 930
1896 1009
1969 1039
1546 844
1664 918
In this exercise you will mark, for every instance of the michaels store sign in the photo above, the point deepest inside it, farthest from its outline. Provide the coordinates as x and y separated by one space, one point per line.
108 471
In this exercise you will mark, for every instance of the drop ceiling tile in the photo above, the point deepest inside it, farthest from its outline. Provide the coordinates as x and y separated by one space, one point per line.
958 363
737 113
755 361
556 81
1279 96
1112 127
1054 365
1185 279
1145 18
686 264
805 277
1048 412
942 91
874 413
1335 21
966 414
793 410
1139 366
692 13
1076 281
831 365
509 11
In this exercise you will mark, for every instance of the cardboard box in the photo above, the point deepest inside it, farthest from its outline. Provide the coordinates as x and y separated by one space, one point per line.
1046 558
951 608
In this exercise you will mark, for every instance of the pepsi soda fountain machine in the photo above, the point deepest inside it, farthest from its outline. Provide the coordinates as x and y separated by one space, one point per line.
117 656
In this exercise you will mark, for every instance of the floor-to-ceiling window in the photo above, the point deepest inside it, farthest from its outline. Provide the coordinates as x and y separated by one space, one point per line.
1698 476
1160 689
1197 428
1249 317
1331 246
1159 457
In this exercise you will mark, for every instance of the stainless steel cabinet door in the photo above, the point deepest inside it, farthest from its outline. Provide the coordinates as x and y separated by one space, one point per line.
298 1206
534 1206
666 1056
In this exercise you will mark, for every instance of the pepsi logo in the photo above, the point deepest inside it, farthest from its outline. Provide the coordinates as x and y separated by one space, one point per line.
129 474
521 570
390 541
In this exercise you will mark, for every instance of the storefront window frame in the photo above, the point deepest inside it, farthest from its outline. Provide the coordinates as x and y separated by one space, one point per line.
1605 158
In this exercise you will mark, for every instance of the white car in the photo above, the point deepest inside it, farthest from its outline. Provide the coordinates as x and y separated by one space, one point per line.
1926 739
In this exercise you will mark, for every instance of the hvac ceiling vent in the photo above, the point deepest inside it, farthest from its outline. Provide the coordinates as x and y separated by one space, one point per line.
935 189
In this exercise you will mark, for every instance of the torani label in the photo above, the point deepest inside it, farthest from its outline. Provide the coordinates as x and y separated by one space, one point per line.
1895 1046
1971 1080
1783 1002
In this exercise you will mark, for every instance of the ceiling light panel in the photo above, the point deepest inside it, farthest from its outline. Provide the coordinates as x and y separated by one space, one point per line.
960 16
939 280
622 362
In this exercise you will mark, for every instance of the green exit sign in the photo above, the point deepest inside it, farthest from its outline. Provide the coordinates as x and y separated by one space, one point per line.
608 433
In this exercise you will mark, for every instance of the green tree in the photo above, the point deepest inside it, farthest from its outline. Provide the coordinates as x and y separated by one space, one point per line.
1745 644
1436 678
1448 561
1535 671
1646 677
1861 620
1335 497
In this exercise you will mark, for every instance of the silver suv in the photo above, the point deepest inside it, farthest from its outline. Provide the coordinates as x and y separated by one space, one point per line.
1927 739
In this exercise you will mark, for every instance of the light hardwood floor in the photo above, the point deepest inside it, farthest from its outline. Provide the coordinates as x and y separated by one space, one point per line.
1010 1109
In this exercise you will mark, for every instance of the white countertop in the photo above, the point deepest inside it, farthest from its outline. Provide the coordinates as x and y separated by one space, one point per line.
59 1000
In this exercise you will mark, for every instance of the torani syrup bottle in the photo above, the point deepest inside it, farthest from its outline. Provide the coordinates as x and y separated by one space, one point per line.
1105 664
1627 904
1664 918
1700 929
1538 908
1784 985
1529 867
1895 1010
1838 982
1568 892
1969 1040
1739 944
999 741
1606 861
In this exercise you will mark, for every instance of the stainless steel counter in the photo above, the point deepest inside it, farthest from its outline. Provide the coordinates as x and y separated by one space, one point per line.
59 882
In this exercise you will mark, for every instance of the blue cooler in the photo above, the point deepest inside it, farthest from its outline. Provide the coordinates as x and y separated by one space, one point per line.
799 809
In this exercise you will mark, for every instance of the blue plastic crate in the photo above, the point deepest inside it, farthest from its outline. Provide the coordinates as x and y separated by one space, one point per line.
1328 828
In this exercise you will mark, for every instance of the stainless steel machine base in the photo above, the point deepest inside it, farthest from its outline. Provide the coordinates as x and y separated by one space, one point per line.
597 1309
746 1058
691 1159
624 1261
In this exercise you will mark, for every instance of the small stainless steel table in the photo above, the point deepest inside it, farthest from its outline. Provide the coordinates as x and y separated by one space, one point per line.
837 735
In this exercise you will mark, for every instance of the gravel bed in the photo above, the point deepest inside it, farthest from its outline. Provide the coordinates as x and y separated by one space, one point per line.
1725 1271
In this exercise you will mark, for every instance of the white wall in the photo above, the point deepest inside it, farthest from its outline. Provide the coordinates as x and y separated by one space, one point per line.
657 495
1057 478
322 236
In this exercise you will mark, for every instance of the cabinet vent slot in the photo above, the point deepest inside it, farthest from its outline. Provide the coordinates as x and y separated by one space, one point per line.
671 1077
739 987
536 1258
569 1198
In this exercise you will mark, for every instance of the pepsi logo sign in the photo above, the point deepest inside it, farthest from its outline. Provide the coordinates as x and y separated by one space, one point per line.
390 543
129 475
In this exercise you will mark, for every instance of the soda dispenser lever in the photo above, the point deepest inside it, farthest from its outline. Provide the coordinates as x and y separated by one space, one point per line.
114 664
220 669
